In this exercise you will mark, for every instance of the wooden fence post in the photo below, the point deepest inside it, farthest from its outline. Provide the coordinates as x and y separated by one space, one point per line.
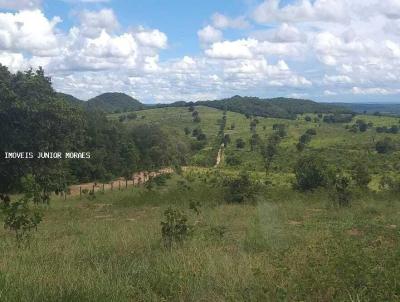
80 192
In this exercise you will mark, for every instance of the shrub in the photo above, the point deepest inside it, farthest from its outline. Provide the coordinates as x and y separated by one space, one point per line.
305 139
240 143
385 146
280 130
362 125
132 116
227 139
240 188
311 172
342 190
233 160
390 183
175 228
19 217
360 175
311 132
196 119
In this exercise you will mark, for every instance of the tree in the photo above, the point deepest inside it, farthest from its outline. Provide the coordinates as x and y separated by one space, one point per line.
254 141
239 188
226 140
342 190
311 132
305 139
311 172
197 119
385 146
240 143
360 174
270 150
362 125
233 160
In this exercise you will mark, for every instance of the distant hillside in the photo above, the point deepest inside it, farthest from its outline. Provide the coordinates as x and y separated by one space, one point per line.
384 109
70 99
276 107
114 102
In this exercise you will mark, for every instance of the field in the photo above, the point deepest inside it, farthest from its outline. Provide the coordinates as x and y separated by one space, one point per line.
287 246
284 245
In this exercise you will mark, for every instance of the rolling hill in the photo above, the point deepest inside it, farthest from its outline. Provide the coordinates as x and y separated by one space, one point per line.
275 108
114 102
70 99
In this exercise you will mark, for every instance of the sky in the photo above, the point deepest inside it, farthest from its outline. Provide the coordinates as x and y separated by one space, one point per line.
187 50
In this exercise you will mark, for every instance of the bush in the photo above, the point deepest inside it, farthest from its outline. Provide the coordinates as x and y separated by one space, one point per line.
132 116
305 139
385 146
233 160
362 125
175 228
311 172
390 183
19 217
360 175
240 188
311 132
240 143
342 190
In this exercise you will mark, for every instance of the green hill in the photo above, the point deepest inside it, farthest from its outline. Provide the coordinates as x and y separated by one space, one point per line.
70 99
276 107
114 102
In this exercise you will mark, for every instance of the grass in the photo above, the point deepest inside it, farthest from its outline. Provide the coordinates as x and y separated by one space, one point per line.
288 246
337 144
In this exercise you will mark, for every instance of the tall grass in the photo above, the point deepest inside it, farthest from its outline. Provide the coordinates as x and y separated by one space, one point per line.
288 246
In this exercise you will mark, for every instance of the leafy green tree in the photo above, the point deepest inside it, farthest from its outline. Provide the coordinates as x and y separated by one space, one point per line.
254 141
385 146
342 190
232 160
240 188
240 143
311 132
362 125
361 175
311 172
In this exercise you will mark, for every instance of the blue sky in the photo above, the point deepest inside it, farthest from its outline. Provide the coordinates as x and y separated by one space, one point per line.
165 51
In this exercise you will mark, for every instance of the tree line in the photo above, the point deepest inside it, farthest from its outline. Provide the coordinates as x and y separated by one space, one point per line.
34 118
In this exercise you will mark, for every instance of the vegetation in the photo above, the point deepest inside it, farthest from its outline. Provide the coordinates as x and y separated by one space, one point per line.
113 102
268 223
278 107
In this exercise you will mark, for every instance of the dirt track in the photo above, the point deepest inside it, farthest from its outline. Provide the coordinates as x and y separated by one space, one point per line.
219 156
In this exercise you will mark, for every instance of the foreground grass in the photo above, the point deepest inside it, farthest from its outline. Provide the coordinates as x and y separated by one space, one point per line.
285 247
